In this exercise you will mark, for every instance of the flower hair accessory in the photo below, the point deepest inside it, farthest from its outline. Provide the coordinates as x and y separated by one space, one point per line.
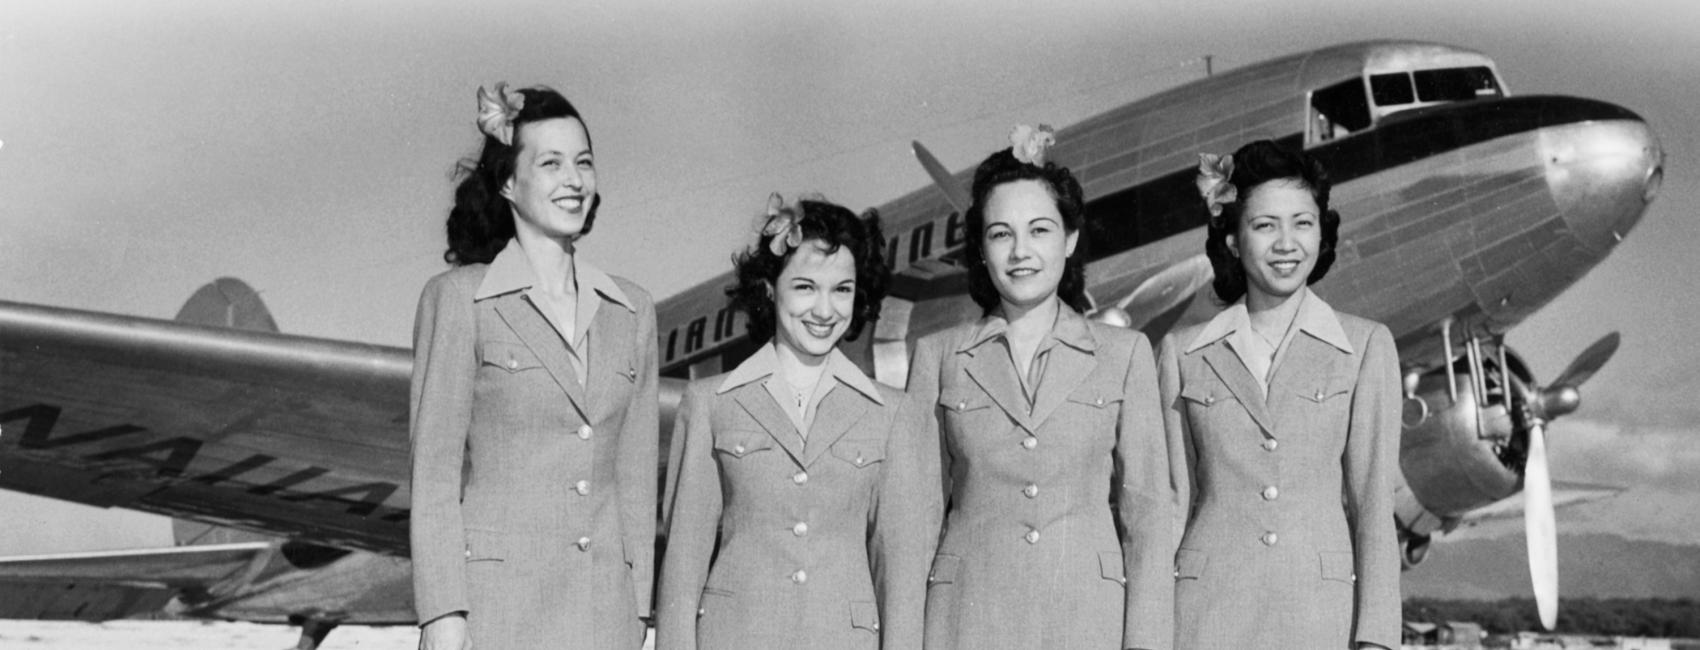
1030 144
1213 174
784 224
497 111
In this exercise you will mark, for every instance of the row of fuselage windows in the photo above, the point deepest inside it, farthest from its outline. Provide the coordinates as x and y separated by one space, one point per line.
1117 222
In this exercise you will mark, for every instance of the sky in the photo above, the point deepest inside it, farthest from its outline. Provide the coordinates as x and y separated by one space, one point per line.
307 148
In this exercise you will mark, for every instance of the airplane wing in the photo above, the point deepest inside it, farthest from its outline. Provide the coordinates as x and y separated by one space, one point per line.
284 435
116 584
1564 494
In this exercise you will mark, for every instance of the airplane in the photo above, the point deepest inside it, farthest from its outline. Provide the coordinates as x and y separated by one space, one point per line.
1464 210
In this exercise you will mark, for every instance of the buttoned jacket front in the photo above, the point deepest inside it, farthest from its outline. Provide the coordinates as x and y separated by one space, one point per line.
1031 554
1290 541
533 504
820 543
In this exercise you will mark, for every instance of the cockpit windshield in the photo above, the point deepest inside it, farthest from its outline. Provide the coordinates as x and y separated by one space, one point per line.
1343 109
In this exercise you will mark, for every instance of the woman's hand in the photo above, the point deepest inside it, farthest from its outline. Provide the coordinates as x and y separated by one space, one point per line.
445 633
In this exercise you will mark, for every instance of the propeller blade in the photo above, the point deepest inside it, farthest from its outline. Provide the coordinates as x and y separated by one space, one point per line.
1167 289
1589 362
954 193
1540 527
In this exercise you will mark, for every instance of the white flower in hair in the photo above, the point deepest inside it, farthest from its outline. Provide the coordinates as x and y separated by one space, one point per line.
784 224
1031 144
497 112
1213 174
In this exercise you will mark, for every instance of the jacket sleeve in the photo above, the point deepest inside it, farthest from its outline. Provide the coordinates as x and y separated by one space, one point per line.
919 419
638 455
693 506
1177 432
440 400
904 531
1371 459
1146 506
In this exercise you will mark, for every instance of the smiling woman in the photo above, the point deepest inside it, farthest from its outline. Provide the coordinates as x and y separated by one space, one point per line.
1039 412
523 537
1283 406
792 463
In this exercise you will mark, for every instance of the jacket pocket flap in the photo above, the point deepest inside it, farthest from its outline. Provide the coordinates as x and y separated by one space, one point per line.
1337 565
1206 393
944 569
865 615
512 357
743 443
1094 396
1189 564
962 401
1324 391
860 453
483 545
1110 566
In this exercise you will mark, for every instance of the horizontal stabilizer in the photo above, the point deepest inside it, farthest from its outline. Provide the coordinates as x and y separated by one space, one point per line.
177 567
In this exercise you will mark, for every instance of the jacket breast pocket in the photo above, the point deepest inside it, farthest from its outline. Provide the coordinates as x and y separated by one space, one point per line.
1096 407
507 356
859 452
966 410
741 444
1333 390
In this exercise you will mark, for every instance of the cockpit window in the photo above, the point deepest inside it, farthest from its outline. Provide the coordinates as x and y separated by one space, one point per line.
1432 86
1455 84
1338 110
1391 89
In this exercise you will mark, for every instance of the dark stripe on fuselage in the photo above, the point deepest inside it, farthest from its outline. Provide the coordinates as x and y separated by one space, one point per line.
1169 205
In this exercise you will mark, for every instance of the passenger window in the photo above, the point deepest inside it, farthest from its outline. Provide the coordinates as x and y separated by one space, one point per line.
1338 110
1455 84
1391 89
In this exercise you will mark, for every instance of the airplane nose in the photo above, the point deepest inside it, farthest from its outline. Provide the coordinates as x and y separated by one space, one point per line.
1603 175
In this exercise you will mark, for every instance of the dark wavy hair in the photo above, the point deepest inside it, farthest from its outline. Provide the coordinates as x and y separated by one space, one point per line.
998 169
1255 164
482 221
757 269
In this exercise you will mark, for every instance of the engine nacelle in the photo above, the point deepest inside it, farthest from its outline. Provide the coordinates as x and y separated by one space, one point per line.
1463 445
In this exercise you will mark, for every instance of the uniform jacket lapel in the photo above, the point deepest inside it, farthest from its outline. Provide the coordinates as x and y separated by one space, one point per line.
996 377
1071 360
760 405
1238 379
606 360
524 319
838 413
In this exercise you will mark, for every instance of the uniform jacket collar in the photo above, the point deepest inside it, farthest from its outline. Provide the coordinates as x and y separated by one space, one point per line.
1315 318
765 362
1070 329
511 272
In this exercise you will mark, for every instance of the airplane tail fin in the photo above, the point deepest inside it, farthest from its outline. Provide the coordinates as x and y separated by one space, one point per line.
227 302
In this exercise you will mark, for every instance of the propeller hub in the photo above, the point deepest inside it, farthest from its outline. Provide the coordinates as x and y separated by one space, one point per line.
1559 401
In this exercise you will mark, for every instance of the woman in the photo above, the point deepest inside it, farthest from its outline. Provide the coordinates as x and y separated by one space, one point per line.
1044 419
534 405
1289 415
792 458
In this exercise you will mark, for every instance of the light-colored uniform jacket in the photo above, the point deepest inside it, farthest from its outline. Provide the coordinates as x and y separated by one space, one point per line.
1031 556
546 539
1291 540
821 543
